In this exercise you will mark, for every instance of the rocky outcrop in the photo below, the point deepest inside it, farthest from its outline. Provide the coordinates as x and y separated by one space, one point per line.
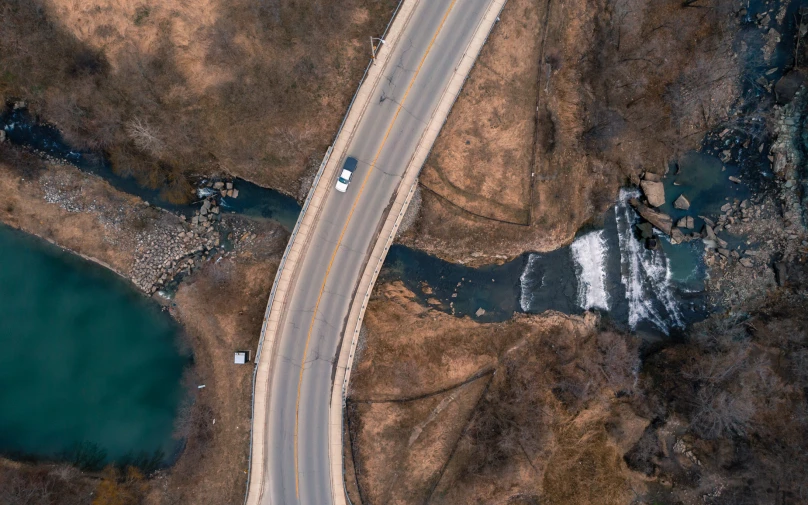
789 163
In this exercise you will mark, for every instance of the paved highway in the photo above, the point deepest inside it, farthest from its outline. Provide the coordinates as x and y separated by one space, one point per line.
296 458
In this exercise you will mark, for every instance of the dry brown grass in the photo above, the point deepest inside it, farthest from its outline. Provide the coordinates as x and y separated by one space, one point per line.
24 207
624 86
172 88
418 435
222 313
536 431
482 159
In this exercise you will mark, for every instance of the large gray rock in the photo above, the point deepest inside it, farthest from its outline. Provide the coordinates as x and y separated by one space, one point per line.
660 220
654 191
677 237
682 203
686 222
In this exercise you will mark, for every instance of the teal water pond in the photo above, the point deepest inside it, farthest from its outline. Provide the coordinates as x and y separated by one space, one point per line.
90 370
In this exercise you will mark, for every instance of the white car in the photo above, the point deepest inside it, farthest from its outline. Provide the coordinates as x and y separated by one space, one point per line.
345 177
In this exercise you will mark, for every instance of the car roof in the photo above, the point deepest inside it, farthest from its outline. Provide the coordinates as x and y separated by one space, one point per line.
350 164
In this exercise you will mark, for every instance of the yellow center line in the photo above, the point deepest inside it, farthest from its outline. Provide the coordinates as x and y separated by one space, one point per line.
342 234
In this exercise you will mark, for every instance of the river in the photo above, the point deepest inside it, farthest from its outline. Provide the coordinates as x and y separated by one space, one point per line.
607 270
89 369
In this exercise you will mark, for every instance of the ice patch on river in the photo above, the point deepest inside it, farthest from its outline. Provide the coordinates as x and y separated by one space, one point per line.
589 253
645 274
204 192
609 270
530 282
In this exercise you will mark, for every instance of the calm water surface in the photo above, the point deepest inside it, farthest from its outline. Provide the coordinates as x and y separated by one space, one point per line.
85 361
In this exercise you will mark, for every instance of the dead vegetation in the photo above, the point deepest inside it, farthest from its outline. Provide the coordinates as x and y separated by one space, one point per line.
537 400
564 411
623 86
222 308
483 158
171 88
43 485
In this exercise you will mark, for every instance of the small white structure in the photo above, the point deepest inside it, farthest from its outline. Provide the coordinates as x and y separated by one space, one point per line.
242 357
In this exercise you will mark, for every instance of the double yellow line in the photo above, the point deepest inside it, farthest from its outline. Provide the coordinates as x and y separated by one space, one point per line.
342 234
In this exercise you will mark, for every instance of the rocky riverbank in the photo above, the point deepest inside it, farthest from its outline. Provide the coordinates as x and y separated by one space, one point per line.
773 229
219 271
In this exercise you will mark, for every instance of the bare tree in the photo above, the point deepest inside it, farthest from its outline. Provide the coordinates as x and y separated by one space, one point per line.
145 136
720 414
18 490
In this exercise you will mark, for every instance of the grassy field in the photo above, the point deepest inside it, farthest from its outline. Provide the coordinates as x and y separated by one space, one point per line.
483 158
557 409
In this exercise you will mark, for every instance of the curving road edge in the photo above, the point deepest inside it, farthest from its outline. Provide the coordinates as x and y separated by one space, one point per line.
395 214
298 242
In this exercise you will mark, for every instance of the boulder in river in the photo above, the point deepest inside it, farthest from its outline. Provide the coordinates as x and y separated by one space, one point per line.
788 85
677 237
646 230
654 191
660 220
686 222
682 203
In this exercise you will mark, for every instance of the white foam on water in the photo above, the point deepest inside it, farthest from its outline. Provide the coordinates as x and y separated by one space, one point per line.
589 253
644 273
528 284
205 192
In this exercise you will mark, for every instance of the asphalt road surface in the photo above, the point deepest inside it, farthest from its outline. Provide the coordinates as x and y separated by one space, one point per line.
418 71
